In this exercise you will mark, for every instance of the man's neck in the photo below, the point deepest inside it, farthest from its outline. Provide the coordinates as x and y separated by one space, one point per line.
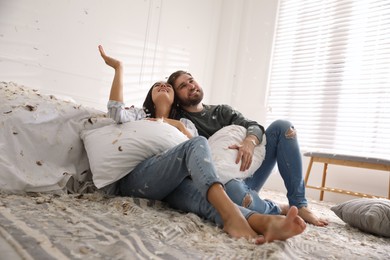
194 108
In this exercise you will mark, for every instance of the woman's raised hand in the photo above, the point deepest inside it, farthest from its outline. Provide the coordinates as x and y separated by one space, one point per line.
116 92
109 60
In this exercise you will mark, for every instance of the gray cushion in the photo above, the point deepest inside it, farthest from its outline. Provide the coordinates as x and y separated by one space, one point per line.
369 215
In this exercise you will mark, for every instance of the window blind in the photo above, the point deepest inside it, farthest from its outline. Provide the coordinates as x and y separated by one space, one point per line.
330 74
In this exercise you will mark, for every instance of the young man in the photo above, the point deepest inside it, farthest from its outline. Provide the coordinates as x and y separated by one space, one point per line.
281 147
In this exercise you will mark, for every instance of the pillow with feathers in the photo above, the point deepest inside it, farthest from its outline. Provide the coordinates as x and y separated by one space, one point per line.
115 150
224 158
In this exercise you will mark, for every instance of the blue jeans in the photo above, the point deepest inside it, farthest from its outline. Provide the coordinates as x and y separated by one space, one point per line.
282 148
180 176
238 192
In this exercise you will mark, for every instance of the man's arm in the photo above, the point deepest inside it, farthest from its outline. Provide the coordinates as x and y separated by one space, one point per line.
254 137
255 132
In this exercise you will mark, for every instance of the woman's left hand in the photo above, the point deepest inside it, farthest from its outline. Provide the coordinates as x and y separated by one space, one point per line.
172 122
176 123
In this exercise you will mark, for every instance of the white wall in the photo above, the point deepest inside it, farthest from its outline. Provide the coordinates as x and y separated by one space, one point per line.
52 45
243 55
225 44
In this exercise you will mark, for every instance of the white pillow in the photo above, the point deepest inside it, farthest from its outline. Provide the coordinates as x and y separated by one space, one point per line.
115 150
224 158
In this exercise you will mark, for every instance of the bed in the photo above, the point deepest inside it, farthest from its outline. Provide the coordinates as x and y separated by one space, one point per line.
50 208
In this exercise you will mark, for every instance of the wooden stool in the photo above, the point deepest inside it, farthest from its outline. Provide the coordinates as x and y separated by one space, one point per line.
344 160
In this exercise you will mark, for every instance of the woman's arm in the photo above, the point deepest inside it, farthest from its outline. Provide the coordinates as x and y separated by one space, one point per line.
116 93
115 106
185 126
179 125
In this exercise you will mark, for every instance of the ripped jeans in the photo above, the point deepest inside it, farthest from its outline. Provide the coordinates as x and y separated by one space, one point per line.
180 176
176 186
281 148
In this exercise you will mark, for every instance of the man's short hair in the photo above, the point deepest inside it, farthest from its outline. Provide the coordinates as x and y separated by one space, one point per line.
172 78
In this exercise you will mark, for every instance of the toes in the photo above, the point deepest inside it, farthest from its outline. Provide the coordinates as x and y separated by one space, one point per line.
292 213
259 240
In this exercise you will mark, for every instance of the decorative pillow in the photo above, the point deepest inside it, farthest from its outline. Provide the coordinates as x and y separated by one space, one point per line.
224 158
115 150
369 215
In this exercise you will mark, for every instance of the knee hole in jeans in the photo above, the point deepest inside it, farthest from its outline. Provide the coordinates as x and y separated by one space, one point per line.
247 200
291 132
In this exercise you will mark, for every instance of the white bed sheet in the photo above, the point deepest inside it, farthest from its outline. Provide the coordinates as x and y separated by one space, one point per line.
40 145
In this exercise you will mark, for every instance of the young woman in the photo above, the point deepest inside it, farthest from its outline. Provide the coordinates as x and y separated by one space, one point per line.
185 174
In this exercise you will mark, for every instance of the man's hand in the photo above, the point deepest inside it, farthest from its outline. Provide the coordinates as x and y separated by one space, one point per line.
245 152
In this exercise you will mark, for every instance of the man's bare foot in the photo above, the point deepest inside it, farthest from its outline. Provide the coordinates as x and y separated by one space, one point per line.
283 209
308 216
277 227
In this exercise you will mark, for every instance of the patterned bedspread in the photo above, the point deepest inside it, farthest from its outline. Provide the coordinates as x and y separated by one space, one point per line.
91 226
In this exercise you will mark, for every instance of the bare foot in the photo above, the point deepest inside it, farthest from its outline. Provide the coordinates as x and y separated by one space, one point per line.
308 216
277 227
234 222
109 60
283 209
238 227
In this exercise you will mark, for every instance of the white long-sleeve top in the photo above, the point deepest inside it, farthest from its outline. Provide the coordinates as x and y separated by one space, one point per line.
122 114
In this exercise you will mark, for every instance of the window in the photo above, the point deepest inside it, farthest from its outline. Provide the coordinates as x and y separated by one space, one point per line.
330 74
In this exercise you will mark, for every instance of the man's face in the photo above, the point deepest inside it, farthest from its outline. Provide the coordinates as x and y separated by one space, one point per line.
188 91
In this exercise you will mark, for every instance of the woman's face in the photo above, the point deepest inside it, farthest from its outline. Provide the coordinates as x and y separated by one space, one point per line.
162 92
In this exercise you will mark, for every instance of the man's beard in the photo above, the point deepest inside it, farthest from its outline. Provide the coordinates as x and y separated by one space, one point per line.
192 101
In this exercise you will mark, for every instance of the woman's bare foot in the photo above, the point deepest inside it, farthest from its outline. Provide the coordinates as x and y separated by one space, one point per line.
238 227
308 216
109 60
234 223
277 227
